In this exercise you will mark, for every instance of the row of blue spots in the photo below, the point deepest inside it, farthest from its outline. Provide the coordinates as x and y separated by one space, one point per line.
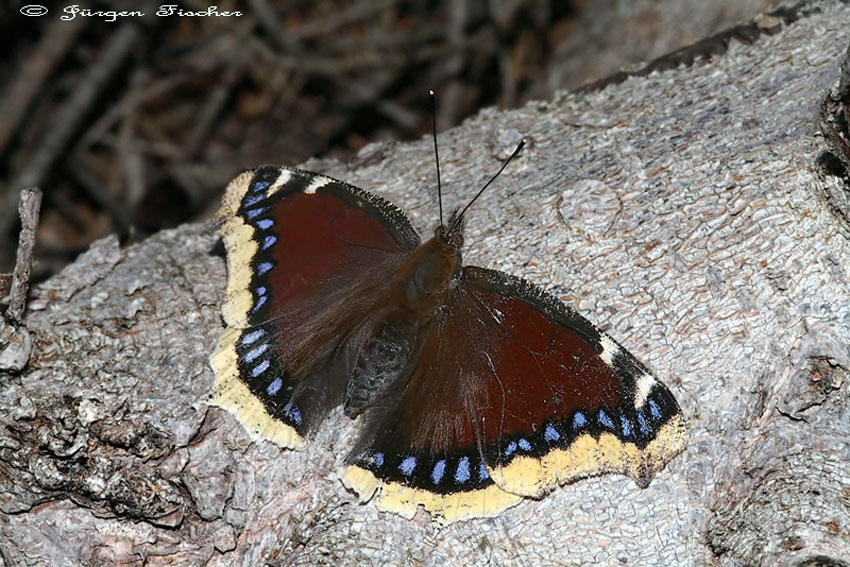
522 444
461 475
551 434
627 426
290 410
256 196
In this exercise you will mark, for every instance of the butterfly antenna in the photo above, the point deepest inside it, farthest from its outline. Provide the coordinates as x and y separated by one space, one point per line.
492 179
436 153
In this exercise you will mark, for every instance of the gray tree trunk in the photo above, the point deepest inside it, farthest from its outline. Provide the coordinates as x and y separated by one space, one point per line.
685 212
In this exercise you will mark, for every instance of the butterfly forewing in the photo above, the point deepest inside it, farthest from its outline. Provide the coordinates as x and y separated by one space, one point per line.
305 255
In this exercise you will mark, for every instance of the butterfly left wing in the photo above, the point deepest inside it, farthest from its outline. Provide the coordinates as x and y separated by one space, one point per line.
513 395
304 253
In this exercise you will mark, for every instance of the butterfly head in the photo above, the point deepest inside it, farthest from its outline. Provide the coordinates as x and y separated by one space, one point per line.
452 232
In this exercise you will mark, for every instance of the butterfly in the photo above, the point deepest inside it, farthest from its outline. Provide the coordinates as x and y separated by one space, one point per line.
475 388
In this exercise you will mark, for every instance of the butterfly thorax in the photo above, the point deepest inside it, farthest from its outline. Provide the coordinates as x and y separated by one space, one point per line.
428 273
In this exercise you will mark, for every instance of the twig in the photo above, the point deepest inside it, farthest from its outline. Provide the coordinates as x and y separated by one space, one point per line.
15 339
28 209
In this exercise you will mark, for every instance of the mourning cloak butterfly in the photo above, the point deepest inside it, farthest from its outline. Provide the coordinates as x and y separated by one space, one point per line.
476 388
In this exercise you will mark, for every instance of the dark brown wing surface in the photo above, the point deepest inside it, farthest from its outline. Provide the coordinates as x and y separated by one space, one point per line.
305 253
514 394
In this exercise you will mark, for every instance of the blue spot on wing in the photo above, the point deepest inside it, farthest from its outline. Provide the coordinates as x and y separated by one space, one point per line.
268 241
254 213
579 420
264 267
252 200
292 412
437 473
260 301
265 224
274 387
654 409
551 434
625 425
643 426
482 472
252 336
255 352
524 444
379 459
603 419
407 466
260 186
510 449
260 368
462 473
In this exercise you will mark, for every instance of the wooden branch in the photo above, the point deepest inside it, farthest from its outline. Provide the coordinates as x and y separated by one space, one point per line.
687 212
15 339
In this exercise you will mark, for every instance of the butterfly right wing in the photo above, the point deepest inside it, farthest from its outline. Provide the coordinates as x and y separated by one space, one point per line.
513 394
305 254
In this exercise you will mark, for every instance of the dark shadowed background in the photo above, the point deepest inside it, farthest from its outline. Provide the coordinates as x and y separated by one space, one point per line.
137 124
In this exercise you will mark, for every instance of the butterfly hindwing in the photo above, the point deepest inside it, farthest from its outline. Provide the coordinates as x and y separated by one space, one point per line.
572 402
514 393
293 241
424 448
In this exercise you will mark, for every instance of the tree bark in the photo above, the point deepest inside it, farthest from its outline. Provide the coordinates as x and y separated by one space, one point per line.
687 212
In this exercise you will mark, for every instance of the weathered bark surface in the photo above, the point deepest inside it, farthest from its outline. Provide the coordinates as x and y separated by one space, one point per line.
683 211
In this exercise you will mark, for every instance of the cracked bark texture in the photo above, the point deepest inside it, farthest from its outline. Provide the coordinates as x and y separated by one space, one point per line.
683 211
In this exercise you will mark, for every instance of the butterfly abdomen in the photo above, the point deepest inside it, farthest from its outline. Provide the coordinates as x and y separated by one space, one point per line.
382 359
